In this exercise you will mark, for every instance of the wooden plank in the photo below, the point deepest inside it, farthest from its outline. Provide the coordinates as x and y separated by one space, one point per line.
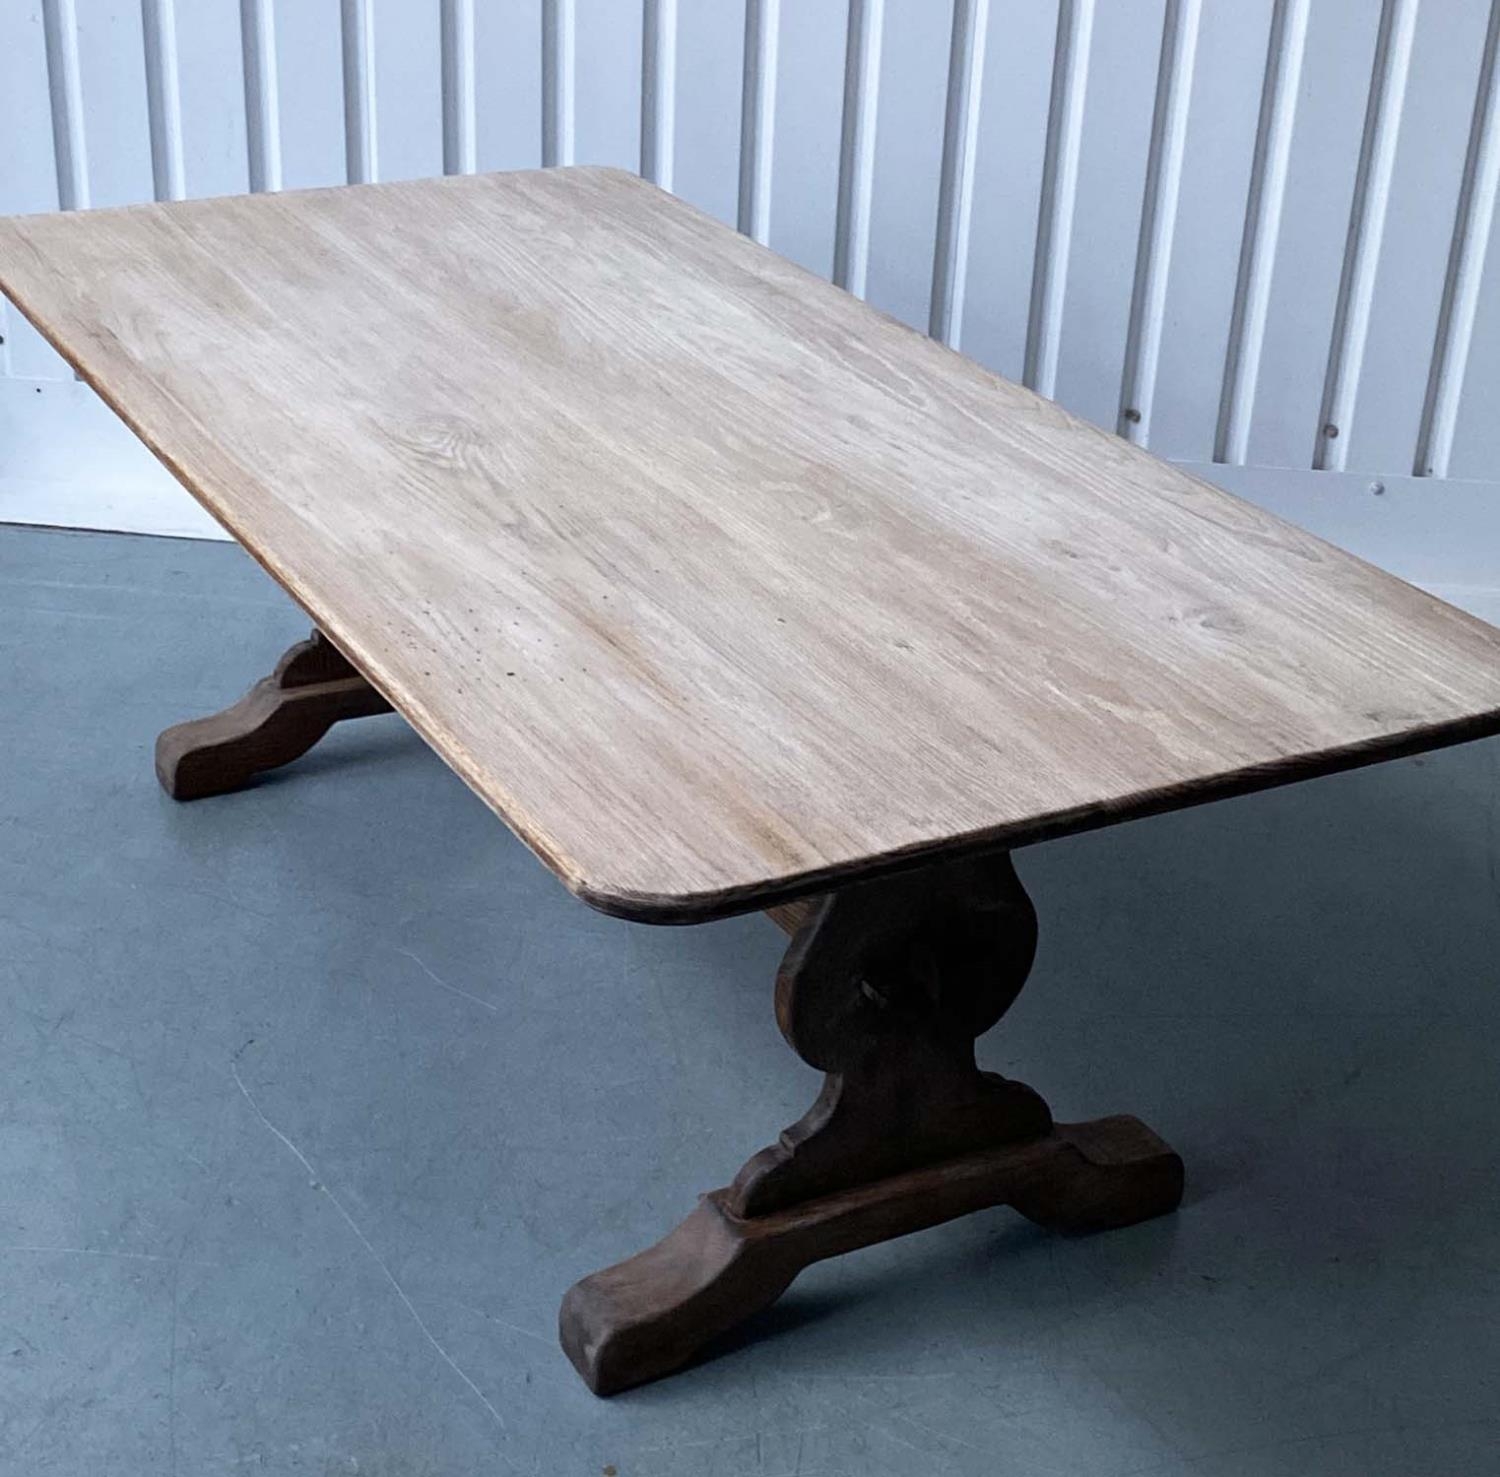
789 917
720 587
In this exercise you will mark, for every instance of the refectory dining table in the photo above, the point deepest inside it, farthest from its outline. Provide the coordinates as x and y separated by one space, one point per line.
727 592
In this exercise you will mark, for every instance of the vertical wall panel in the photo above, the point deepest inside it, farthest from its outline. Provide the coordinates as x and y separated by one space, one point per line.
758 117
65 104
28 180
163 98
309 70
262 90
1476 437
908 156
1223 108
1367 217
1160 216
111 67
955 210
359 70
859 115
408 89
1461 431
210 86
809 110
658 91
710 72
1084 225
460 155
1014 90
608 104
559 80
1327 128
508 83
1264 200
1113 149
1059 193
1390 383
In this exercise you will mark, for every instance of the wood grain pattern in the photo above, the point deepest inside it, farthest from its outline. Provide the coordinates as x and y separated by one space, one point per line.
717 585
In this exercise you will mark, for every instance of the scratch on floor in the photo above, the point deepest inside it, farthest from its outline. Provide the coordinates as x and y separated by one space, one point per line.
172 1371
152 591
531 1333
364 1241
228 899
127 1256
452 989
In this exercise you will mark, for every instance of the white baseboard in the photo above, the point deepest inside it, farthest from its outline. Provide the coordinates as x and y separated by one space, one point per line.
1442 535
66 461
1425 529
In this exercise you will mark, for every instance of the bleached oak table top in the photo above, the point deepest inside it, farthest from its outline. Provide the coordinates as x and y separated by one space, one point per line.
717 585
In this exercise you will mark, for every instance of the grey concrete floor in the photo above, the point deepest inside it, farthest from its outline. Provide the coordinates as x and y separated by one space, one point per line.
316 1097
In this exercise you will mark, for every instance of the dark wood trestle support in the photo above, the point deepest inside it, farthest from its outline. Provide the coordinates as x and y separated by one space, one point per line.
885 986
313 687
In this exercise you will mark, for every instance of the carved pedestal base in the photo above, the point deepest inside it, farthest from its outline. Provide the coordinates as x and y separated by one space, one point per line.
885 986
649 1316
278 720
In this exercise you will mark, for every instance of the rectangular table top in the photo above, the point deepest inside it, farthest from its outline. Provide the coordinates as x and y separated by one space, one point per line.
718 585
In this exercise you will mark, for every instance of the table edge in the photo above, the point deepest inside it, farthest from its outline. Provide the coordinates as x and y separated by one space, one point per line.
708 906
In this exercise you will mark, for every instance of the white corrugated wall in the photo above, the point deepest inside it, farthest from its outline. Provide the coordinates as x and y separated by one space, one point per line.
1252 235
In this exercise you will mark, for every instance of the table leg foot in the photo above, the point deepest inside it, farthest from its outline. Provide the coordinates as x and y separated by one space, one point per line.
885 986
278 720
653 1314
